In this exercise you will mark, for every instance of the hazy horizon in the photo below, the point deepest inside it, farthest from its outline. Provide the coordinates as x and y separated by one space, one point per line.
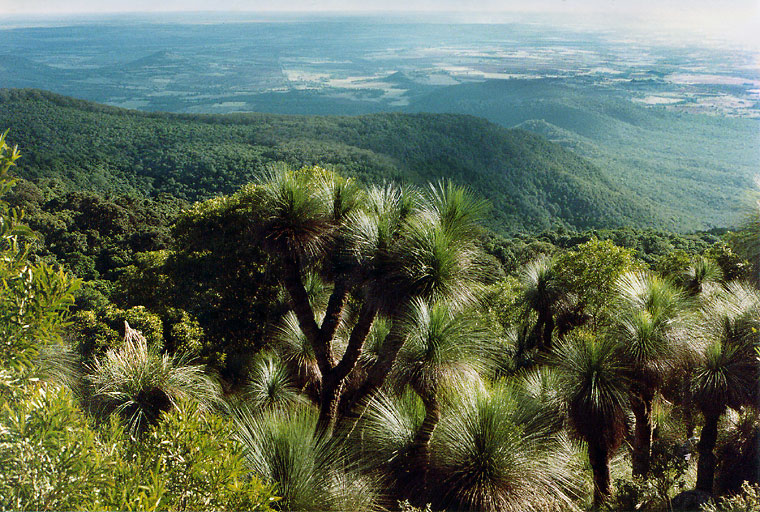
738 23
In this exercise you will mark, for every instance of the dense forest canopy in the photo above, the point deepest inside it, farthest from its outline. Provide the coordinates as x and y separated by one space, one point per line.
532 184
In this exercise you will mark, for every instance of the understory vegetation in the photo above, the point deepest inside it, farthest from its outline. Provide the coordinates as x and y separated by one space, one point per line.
312 343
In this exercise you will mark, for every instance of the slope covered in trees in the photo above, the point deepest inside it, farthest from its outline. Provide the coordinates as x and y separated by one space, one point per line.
532 184
695 167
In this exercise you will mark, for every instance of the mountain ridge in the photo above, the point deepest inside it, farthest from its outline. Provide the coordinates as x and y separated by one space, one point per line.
532 183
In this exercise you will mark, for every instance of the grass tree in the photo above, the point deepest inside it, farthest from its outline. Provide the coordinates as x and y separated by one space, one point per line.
138 383
727 372
440 345
644 323
270 385
542 292
594 386
701 276
486 455
383 246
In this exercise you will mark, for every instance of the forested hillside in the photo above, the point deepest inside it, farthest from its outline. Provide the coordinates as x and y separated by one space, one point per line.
531 183
696 168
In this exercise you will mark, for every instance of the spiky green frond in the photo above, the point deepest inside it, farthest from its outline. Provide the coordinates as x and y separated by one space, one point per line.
373 346
435 265
311 472
387 428
484 457
728 330
374 228
456 209
296 221
270 385
646 291
724 377
541 288
595 387
646 324
702 275
543 385
294 348
342 195
138 383
441 344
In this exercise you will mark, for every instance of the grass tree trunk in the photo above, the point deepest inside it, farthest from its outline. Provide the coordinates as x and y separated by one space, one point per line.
642 435
379 372
598 457
546 341
705 447
329 398
334 380
421 443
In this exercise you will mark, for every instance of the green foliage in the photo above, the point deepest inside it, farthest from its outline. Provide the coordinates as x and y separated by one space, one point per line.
643 149
667 477
532 183
591 270
50 459
53 459
746 501
34 299
733 266
199 464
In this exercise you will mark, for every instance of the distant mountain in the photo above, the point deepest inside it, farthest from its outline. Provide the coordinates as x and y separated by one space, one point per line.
19 71
532 183
697 169
161 58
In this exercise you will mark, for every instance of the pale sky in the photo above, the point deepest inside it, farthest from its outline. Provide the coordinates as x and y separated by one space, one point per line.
737 18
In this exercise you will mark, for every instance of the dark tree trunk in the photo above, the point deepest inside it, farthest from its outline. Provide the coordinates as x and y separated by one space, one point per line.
421 444
548 330
542 331
598 458
706 463
329 398
642 435
302 308
333 315
333 382
379 372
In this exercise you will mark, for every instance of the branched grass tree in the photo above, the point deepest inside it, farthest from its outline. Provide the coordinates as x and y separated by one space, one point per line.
384 246
644 323
727 372
595 384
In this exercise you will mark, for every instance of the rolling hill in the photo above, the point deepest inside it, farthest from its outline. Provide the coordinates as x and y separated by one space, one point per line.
532 183
697 169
